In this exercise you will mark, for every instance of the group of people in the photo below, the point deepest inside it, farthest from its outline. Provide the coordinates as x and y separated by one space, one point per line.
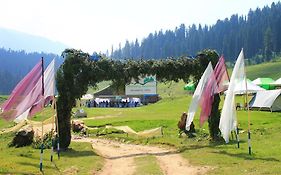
107 103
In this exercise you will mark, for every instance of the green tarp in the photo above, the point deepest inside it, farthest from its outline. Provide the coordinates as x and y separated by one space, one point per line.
265 83
189 87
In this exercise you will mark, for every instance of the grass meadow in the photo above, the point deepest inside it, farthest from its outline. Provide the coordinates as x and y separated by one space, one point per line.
265 70
265 130
226 158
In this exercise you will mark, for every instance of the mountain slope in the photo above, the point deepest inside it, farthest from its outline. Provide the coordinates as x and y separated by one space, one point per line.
11 39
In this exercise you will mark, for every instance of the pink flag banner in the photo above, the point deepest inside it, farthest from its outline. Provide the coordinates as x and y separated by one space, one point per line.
198 95
207 98
49 89
217 83
26 95
221 75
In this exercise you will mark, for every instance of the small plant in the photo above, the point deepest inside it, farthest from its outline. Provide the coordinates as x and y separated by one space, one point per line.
48 140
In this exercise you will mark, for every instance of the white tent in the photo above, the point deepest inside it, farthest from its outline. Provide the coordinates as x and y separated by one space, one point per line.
277 82
267 100
87 97
240 88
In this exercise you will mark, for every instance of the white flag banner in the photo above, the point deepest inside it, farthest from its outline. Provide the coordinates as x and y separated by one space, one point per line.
197 95
23 116
228 121
49 80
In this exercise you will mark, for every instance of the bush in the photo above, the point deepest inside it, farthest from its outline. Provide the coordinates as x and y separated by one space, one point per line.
23 137
48 140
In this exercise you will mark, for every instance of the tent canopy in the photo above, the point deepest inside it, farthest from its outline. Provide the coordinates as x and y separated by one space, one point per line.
277 82
190 86
240 88
265 83
87 97
270 100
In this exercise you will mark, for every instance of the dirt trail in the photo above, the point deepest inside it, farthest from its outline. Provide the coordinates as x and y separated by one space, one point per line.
119 158
37 127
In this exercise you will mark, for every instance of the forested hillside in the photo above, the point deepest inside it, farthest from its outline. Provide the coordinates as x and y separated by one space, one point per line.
14 65
259 33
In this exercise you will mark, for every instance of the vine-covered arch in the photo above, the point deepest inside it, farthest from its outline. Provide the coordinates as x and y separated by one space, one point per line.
79 71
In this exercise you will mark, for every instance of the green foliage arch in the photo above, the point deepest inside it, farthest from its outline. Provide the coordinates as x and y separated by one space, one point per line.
78 72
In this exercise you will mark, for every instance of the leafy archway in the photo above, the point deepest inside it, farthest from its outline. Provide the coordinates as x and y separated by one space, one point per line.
78 72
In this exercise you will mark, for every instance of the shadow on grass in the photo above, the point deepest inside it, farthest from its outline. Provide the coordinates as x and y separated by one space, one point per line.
25 173
211 144
36 166
247 156
74 153
16 172
143 154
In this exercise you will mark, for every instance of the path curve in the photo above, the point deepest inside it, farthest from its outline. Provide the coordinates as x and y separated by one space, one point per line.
119 158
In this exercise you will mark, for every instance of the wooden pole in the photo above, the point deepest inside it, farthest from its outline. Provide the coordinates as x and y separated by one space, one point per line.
58 135
42 146
53 123
248 112
237 136
236 131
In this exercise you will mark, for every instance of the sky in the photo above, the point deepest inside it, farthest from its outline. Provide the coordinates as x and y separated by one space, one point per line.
96 25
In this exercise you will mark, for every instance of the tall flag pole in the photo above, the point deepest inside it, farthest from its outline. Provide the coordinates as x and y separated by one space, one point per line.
41 153
53 123
49 94
52 131
58 133
248 112
237 135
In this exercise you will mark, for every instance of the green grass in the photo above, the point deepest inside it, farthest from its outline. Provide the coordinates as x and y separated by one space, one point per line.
171 89
270 69
231 160
226 158
48 112
3 98
147 165
3 123
263 70
79 159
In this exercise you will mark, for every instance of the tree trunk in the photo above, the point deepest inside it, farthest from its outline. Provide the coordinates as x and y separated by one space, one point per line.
64 124
214 119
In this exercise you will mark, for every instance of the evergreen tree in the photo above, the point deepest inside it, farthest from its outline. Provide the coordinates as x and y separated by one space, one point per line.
268 44
259 33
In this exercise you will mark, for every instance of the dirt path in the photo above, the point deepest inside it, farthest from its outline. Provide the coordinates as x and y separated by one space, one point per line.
119 158
102 117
